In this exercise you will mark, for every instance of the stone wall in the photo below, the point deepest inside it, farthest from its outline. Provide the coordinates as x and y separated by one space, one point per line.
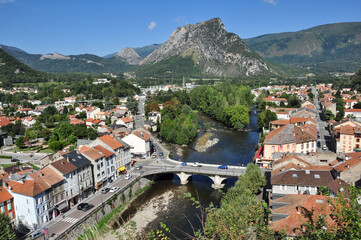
101 211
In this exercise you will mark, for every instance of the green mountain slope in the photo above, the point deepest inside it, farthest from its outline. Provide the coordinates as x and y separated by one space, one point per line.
13 71
331 47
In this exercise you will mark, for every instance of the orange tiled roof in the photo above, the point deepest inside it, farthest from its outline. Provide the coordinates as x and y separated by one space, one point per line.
64 166
104 151
355 159
111 142
126 119
93 154
4 122
50 176
4 195
142 134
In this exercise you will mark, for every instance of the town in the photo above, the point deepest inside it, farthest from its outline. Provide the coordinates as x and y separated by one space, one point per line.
310 142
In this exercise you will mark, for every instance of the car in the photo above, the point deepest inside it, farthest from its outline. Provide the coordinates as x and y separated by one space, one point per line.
160 154
184 163
128 176
105 190
114 189
223 167
36 235
324 147
154 155
139 167
196 164
154 150
81 206
87 207
15 160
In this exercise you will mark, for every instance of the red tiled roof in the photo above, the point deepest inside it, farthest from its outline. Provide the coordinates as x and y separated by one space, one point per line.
352 110
355 159
4 195
104 151
93 154
126 119
339 186
295 219
111 142
76 121
50 176
142 134
4 122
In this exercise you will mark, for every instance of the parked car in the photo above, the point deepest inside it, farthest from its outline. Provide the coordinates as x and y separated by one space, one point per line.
114 189
105 190
154 155
36 235
223 167
87 207
81 206
196 164
128 176
184 163
160 154
324 147
139 167
15 160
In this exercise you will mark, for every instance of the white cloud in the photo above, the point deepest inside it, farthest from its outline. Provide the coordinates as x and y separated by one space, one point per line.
273 2
151 25
7 1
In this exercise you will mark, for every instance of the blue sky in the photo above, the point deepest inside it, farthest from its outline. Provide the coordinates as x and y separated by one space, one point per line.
103 27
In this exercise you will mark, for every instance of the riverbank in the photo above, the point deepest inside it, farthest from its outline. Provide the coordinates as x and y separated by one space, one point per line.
135 226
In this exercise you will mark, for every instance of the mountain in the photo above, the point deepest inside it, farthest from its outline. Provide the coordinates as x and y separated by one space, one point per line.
146 50
212 49
129 55
13 71
326 48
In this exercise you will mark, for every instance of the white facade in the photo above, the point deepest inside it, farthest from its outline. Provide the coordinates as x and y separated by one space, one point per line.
292 189
138 147
71 185
31 211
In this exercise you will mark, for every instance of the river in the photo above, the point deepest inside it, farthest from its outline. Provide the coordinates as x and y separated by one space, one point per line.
164 201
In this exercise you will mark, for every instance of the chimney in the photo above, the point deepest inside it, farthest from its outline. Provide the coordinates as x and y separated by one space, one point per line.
298 209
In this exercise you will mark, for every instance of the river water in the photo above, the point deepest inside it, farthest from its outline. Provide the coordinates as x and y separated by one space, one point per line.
164 201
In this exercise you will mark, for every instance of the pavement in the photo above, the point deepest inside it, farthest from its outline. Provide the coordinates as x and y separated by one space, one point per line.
23 157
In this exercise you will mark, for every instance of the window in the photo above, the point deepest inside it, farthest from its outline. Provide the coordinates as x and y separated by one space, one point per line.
349 137
283 187
9 205
281 148
28 210
302 146
108 171
273 148
2 208
11 216
313 145
357 140
288 147
101 164
27 201
344 137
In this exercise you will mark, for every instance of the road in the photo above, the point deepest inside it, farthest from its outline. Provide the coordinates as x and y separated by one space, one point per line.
60 224
325 138
140 117
23 157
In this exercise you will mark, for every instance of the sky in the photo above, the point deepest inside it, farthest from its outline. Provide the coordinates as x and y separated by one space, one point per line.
107 26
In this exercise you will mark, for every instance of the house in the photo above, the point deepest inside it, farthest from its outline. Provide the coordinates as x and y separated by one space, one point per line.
91 122
110 162
349 103
278 123
349 169
155 116
126 121
121 150
99 168
92 111
303 181
304 113
30 194
330 106
28 121
139 142
69 172
287 215
277 101
288 139
84 172
356 113
7 204
76 121
56 203
282 113
338 187
4 122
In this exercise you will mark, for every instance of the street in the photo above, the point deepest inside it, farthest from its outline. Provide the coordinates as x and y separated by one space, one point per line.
324 138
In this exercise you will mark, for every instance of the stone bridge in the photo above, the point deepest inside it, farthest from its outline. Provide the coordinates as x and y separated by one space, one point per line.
185 172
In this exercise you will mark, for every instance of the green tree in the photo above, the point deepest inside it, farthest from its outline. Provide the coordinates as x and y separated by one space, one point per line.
6 231
329 115
19 142
237 114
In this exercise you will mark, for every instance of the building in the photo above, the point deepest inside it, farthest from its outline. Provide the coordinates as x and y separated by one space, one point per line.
69 172
126 121
7 204
356 113
288 139
303 181
30 194
110 162
84 170
99 168
155 116
277 101
139 142
56 201
349 169
338 187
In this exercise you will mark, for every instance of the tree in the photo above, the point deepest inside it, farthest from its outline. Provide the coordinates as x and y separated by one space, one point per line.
6 231
238 114
133 107
98 104
81 115
154 106
310 95
329 115
19 142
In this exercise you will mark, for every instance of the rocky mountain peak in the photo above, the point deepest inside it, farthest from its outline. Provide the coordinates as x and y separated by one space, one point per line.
54 56
129 55
211 47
